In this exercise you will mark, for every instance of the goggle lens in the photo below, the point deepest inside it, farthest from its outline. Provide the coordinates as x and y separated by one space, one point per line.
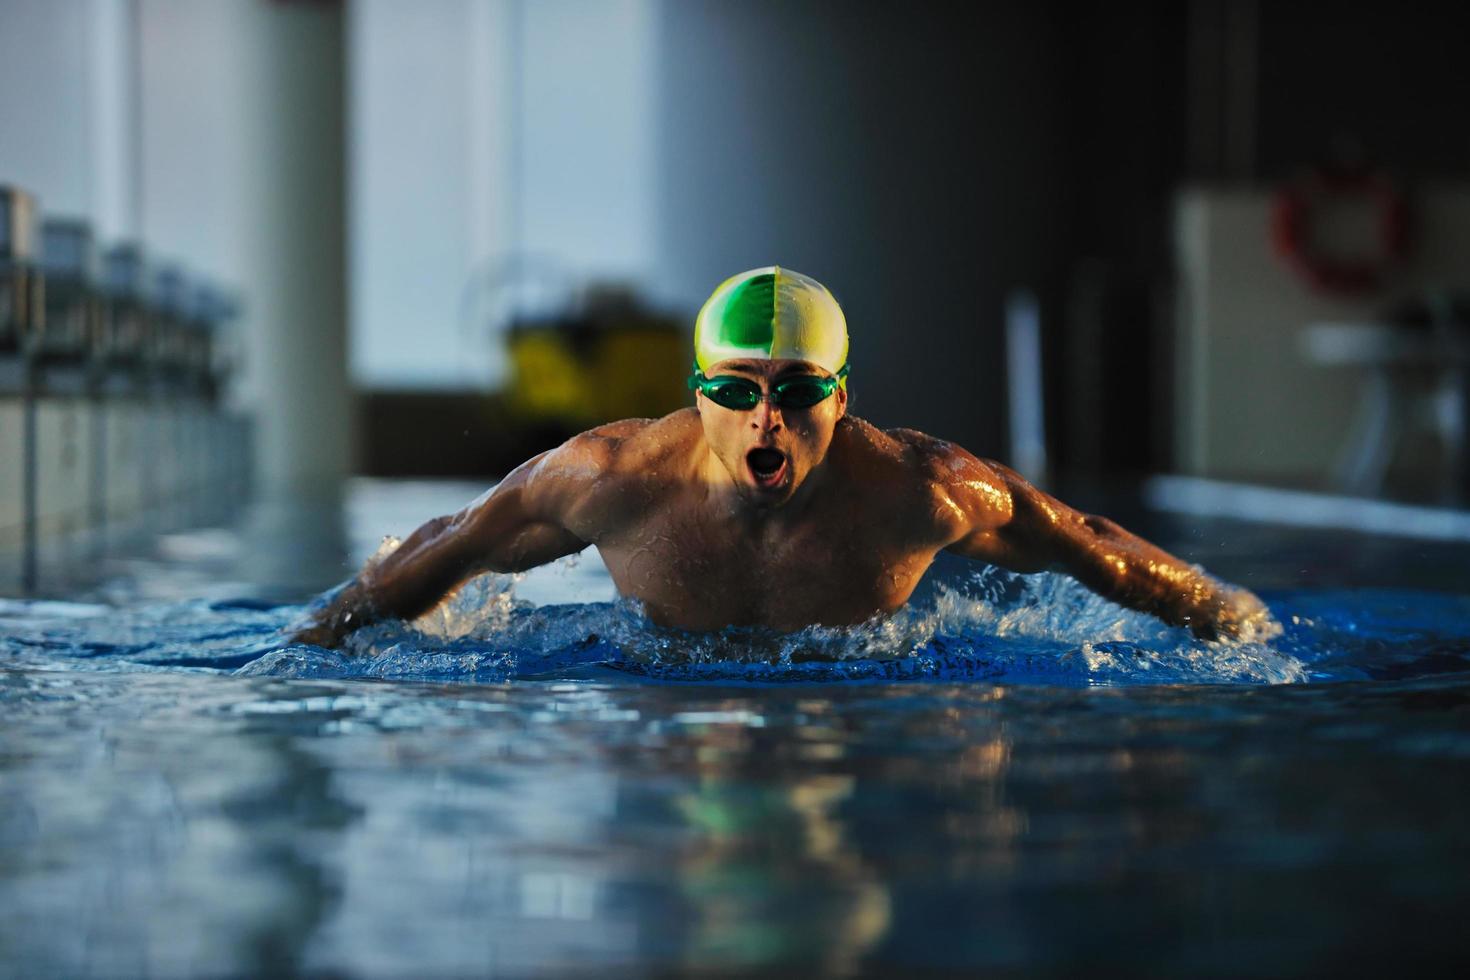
733 393
802 392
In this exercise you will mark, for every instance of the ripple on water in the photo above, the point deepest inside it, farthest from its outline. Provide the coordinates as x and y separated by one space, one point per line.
990 626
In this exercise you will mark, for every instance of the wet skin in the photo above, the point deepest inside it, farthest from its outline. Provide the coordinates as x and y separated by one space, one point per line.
775 517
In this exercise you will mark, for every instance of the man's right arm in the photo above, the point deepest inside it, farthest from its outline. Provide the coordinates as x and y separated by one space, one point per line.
519 524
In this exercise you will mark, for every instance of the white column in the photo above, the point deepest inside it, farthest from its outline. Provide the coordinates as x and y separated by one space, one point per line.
244 179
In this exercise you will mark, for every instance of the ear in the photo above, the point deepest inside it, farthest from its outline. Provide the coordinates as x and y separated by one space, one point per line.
841 400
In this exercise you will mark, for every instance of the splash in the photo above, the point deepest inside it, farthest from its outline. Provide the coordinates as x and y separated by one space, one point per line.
985 625
988 625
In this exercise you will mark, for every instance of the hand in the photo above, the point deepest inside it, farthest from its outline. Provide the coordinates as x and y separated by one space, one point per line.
316 635
326 626
1234 614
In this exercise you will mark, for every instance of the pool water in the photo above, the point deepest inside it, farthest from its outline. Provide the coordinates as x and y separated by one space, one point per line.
1011 775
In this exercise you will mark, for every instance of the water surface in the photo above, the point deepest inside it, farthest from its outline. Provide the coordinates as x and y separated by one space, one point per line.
1010 776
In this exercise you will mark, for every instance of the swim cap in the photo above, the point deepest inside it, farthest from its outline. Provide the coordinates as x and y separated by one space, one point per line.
774 314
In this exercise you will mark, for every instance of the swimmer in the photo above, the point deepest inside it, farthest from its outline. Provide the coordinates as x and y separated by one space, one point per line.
767 504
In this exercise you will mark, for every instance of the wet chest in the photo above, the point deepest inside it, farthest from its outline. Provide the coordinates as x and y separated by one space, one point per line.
703 575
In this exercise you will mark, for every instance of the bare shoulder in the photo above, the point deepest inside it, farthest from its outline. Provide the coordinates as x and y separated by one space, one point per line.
636 447
958 481
625 446
943 461
926 486
873 451
602 477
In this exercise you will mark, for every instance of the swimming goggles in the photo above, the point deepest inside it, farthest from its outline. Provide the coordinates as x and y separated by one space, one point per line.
742 394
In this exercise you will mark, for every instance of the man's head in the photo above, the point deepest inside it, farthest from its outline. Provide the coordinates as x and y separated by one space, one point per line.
770 372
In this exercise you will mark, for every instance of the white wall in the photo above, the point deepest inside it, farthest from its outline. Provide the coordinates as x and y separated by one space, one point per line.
587 127
243 176
200 131
427 187
483 129
66 74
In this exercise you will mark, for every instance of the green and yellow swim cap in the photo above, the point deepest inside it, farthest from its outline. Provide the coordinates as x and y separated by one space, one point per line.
771 313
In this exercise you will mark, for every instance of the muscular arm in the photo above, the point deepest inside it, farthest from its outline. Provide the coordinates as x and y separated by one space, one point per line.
518 525
1013 524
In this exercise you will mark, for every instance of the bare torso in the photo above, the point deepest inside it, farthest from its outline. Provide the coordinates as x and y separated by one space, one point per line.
702 551
698 556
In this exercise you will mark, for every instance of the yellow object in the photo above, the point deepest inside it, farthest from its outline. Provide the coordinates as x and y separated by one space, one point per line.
548 381
640 373
613 364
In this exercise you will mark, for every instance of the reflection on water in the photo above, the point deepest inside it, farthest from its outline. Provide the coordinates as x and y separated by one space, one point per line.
171 824
773 876
133 847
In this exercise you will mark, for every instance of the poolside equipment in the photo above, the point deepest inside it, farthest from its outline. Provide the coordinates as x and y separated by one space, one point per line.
1247 357
20 281
600 354
771 313
111 416
1294 212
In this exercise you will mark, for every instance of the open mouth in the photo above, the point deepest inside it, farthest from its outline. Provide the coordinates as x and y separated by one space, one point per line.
767 466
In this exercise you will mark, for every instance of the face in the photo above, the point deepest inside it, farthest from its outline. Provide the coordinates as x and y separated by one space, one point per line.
770 450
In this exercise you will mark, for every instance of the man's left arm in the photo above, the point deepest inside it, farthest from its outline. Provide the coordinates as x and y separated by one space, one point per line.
1017 526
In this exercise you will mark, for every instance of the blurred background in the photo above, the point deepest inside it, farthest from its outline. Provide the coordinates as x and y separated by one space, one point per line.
251 250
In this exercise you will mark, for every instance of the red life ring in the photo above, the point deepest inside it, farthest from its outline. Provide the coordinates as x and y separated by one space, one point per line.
1291 219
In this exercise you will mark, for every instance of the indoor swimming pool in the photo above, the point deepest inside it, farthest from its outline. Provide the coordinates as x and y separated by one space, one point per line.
1010 775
